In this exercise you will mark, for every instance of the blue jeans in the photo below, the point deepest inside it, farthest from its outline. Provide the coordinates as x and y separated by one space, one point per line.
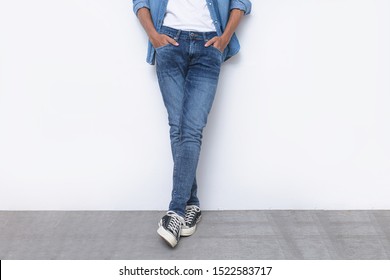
188 77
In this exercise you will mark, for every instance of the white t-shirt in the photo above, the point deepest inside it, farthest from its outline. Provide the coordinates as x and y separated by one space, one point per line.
189 15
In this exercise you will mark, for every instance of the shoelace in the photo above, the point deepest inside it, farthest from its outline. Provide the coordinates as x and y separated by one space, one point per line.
190 213
174 223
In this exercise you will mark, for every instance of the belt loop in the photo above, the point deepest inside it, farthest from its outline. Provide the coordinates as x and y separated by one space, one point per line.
177 35
205 36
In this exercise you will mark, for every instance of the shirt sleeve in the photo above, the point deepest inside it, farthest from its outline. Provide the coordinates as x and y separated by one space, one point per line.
138 4
244 5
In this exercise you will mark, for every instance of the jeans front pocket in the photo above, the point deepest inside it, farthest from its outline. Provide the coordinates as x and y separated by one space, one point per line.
216 49
162 47
214 52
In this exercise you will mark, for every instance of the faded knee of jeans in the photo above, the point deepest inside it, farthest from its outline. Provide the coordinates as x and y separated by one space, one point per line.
175 133
191 135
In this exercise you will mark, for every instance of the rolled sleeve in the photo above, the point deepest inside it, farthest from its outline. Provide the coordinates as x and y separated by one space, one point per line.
243 5
138 4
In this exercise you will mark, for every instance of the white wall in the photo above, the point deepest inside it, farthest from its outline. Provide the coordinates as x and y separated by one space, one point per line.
301 119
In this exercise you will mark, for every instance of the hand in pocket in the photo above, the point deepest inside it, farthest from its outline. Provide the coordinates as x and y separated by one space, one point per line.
160 40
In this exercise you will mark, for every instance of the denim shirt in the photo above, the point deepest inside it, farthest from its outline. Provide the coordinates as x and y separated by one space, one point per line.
219 11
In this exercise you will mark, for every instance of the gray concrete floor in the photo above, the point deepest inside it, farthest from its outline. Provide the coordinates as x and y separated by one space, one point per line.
263 234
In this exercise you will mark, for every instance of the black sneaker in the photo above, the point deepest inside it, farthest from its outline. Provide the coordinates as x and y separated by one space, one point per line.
192 217
169 227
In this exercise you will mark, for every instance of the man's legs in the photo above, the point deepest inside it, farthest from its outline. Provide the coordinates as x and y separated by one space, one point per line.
200 87
188 78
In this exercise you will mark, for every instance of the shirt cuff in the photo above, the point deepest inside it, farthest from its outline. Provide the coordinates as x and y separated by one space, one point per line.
246 8
140 5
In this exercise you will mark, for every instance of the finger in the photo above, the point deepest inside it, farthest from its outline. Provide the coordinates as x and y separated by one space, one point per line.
211 41
172 41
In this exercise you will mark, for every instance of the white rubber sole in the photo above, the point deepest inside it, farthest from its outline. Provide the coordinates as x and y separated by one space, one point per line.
189 231
167 236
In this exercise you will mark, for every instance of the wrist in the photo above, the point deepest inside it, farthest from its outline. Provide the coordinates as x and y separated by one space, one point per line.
226 37
152 35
